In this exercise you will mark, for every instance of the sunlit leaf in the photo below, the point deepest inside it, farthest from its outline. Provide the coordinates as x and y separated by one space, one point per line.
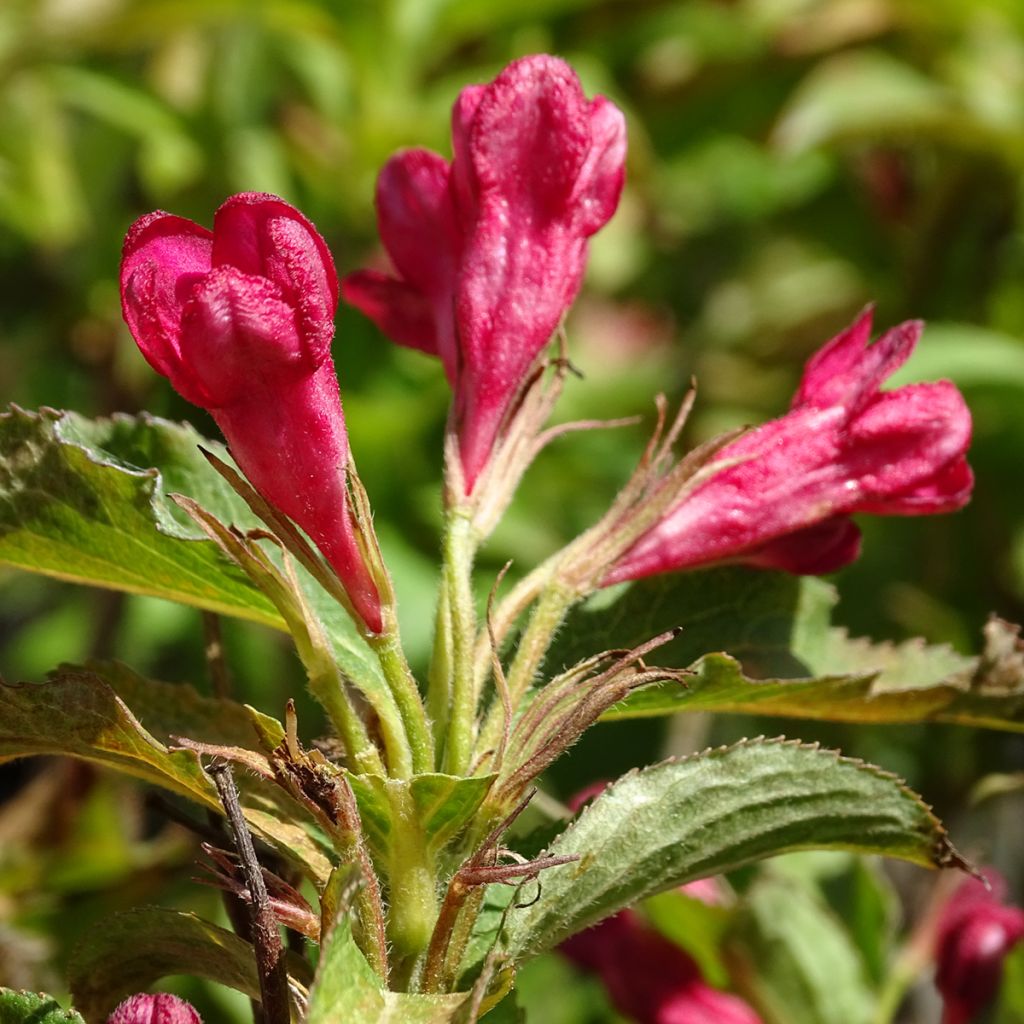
33 1008
691 818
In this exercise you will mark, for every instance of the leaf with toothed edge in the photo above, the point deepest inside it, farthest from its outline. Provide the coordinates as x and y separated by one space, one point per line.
87 501
774 652
689 818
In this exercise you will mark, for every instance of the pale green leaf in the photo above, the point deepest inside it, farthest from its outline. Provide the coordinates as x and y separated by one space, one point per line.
801 966
347 991
686 819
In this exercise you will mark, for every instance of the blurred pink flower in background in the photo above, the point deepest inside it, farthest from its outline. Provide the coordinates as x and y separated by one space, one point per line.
976 931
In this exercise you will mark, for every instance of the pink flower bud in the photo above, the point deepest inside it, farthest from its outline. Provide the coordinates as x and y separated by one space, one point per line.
489 250
159 1008
650 979
240 321
975 933
845 447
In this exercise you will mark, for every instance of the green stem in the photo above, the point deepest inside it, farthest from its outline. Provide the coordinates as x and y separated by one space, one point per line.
459 549
363 757
548 614
418 755
439 675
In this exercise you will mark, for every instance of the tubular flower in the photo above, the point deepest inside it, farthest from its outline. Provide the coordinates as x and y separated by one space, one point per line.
650 979
786 494
489 250
976 932
240 321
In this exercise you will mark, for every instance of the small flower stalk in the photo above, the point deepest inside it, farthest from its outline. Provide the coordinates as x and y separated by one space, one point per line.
240 321
489 249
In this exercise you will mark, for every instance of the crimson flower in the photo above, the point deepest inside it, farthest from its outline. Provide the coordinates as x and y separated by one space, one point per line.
844 447
240 321
489 250
158 1008
649 978
976 932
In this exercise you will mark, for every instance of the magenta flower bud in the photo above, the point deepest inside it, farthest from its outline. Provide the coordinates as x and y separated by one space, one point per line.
650 979
976 932
845 447
240 321
159 1008
489 250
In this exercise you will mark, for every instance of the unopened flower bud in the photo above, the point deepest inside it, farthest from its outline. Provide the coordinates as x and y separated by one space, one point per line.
158 1008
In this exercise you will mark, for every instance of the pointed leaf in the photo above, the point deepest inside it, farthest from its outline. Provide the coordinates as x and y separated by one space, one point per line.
346 990
444 805
784 658
79 713
74 510
690 818
33 1008
130 951
87 501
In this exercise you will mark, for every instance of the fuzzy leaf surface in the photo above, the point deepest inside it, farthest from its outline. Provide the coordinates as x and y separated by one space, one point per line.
686 819
33 1008
775 652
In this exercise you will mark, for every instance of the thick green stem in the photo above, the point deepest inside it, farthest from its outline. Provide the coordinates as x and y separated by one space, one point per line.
412 882
418 755
459 549
362 756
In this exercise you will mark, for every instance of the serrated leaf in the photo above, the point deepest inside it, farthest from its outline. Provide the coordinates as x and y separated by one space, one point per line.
784 658
347 991
686 819
70 509
80 713
801 967
443 806
87 501
33 1008
130 951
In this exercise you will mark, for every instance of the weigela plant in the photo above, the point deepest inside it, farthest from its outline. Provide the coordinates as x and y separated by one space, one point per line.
399 845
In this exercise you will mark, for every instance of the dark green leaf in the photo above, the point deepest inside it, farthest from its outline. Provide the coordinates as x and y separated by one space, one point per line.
130 951
702 815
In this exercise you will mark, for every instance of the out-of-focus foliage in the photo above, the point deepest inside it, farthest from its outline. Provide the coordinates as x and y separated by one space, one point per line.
790 160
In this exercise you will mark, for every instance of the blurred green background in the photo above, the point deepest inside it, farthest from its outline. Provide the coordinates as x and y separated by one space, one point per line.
790 160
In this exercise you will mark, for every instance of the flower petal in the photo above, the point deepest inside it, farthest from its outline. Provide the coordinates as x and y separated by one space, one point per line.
401 311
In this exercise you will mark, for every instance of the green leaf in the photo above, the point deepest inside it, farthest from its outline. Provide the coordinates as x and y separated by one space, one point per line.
784 658
703 815
87 501
33 1008
80 713
861 94
129 952
801 967
347 991
443 805
70 508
